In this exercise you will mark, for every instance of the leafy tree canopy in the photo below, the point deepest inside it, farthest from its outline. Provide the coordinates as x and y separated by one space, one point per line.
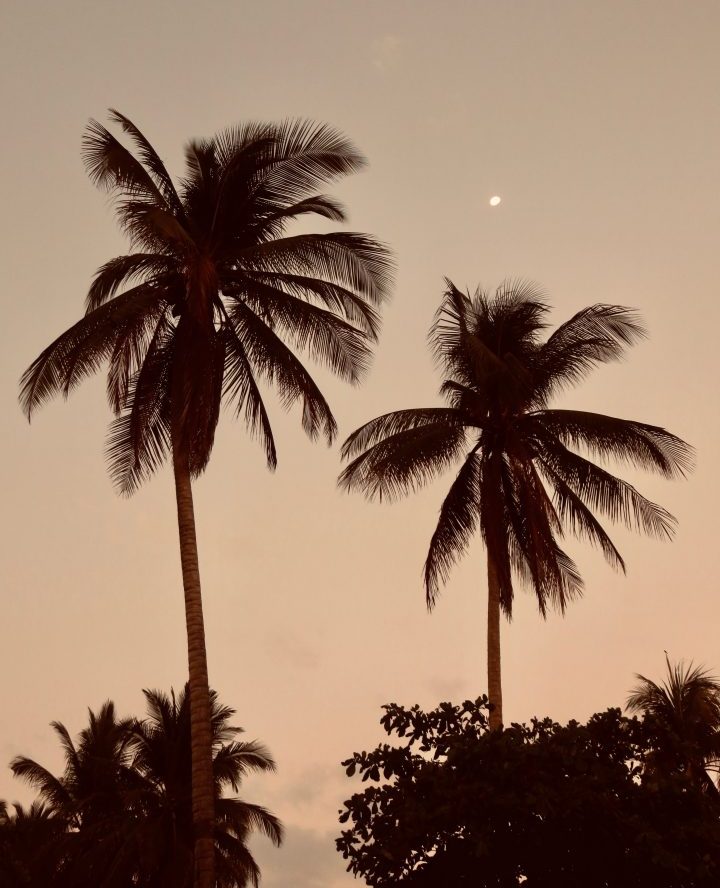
541 805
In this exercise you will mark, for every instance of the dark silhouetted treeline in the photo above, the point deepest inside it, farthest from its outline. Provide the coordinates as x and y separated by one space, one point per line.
120 815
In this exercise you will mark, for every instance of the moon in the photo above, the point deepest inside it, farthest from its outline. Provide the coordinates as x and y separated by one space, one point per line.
494 201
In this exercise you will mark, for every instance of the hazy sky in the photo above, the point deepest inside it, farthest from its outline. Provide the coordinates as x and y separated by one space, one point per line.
598 124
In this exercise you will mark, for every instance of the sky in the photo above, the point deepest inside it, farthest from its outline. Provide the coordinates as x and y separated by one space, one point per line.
598 125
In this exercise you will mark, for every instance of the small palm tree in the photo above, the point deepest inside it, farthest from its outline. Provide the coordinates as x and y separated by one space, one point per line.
95 769
31 840
685 709
214 299
91 796
521 483
121 813
162 756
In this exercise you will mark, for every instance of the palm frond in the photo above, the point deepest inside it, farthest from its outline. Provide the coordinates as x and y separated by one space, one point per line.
580 520
304 155
449 331
235 760
240 814
327 338
113 168
534 524
488 345
514 317
319 204
604 492
72 759
405 461
154 229
52 790
390 424
346 258
240 386
471 401
128 355
333 296
273 360
645 446
458 520
597 334
84 347
689 698
139 439
152 267
150 160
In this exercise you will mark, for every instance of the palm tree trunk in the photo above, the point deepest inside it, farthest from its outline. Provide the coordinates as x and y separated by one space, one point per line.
493 647
203 795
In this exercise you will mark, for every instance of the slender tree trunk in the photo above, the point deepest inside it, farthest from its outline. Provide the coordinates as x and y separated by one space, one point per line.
203 795
493 647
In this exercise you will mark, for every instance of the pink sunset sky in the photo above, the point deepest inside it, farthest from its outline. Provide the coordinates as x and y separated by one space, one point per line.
598 124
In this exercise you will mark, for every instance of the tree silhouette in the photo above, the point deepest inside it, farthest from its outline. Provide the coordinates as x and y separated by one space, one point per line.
30 847
90 798
213 300
685 711
451 803
162 755
121 813
520 484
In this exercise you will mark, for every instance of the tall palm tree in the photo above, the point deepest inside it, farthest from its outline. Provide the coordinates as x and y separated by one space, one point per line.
521 483
685 709
213 299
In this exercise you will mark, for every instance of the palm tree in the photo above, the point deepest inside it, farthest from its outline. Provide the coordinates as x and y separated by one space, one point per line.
30 847
214 298
685 710
162 755
91 796
121 813
520 483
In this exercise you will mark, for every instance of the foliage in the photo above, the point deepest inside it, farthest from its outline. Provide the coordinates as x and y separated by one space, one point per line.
216 296
30 847
685 712
499 377
539 804
121 813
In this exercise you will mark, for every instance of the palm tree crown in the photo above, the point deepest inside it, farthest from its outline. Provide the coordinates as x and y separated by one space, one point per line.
96 767
685 709
162 755
215 295
30 846
521 482
121 813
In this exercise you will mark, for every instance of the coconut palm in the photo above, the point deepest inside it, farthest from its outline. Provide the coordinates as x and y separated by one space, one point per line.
30 847
521 482
213 300
685 709
162 755
96 768
91 796
121 813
